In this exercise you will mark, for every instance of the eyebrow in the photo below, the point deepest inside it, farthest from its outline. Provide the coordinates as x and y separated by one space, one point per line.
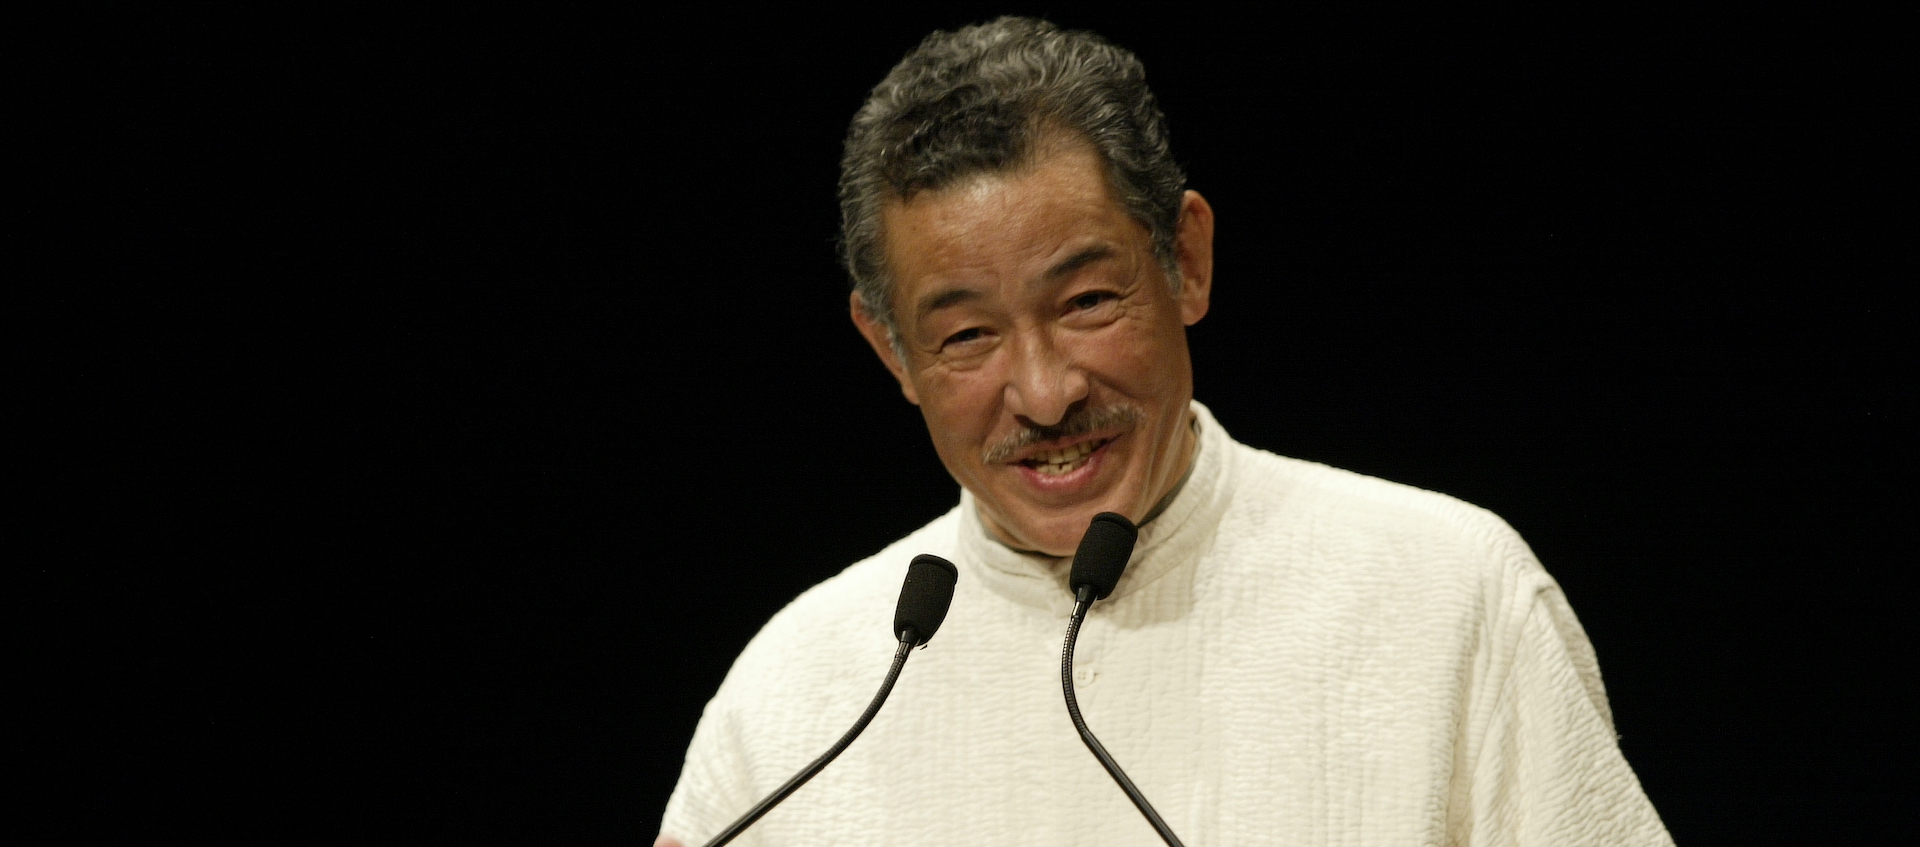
942 299
1079 260
946 298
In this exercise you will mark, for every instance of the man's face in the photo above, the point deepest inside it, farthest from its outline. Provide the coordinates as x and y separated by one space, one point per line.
1044 345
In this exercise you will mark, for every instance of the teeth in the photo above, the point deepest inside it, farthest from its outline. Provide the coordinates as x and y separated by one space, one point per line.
1057 462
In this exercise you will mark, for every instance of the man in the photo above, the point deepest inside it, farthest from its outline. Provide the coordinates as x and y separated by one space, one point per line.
1295 654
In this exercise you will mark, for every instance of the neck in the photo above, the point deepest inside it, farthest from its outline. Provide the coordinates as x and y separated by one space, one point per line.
1193 453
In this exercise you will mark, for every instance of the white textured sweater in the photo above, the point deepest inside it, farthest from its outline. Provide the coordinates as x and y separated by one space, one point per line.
1296 655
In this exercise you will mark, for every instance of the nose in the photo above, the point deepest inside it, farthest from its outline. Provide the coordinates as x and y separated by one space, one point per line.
1043 384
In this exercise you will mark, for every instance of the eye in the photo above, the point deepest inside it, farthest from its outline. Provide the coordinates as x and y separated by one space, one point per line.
963 336
1090 300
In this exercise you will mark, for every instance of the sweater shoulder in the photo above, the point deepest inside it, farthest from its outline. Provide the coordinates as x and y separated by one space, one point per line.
839 619
879 575
1338 503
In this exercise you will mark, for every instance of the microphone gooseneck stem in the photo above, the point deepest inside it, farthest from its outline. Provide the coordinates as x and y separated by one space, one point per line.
799 779
1084 600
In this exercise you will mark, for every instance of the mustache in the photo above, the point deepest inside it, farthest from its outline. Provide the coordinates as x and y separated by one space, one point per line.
1077 423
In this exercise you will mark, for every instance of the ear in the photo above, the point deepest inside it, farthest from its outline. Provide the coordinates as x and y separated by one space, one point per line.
1193 249
877 337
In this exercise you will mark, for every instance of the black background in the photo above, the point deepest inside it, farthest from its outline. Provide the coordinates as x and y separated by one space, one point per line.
423 409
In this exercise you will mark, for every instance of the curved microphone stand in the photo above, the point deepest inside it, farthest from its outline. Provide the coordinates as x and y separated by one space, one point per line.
1080 607
1103 554
924 600
799 779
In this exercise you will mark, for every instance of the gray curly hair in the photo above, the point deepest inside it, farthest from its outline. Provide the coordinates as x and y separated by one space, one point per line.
983 99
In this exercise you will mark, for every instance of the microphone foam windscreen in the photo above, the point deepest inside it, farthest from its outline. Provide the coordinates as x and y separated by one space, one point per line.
925 597
1103 554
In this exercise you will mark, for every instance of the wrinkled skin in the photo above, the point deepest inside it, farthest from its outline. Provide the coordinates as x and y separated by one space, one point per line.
1044 345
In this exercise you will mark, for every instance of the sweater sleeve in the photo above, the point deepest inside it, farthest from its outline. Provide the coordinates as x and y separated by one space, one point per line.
713 788
1548 769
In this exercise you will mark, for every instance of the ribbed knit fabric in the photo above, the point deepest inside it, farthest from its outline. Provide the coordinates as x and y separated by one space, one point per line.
1296 655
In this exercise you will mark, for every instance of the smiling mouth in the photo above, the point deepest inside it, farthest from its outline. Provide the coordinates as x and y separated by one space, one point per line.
1065 460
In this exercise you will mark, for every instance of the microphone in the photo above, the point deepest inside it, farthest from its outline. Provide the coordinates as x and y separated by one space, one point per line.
924 600
1103 554
1097 564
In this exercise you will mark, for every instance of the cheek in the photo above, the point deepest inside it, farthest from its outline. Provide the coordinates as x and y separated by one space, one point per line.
1137 358
957 406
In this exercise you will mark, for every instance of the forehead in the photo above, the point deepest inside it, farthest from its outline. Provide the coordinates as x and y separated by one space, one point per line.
1007 226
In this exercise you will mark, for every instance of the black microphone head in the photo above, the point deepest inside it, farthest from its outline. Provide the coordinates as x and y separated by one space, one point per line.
1103 554
924 598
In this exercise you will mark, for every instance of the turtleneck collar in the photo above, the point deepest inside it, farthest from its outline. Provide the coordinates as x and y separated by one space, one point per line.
1172 539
